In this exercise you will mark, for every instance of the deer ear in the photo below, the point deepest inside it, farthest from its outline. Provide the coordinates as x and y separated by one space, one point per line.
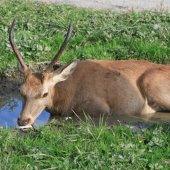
63 73
21 70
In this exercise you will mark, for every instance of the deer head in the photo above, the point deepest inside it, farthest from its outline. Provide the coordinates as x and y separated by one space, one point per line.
37 89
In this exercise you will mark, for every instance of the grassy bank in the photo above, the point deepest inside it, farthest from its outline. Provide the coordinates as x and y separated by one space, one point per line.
88 147
41 28
39 33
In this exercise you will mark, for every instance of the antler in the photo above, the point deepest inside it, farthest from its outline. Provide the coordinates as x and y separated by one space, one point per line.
69 32
11 39
24 66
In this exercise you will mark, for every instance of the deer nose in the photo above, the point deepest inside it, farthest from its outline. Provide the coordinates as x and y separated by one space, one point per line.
22 123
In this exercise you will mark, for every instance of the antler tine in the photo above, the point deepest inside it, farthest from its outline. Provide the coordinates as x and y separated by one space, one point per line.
11 39
69 32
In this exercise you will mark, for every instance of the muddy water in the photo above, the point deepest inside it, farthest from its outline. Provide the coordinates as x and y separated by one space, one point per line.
10 108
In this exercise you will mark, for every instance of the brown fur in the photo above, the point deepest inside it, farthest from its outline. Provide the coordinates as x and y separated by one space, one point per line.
104 87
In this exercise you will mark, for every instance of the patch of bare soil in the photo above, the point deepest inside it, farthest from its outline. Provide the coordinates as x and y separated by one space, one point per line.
120 6
10 82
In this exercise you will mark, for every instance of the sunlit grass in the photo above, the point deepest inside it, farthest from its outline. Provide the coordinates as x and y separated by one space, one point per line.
89 147
39 33
41 28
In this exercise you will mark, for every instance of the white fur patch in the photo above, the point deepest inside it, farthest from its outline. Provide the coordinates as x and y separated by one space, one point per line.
25 127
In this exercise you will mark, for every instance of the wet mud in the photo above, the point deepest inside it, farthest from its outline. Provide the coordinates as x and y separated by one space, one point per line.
10 85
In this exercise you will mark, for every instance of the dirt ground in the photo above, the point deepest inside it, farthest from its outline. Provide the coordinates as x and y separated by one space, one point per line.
117 5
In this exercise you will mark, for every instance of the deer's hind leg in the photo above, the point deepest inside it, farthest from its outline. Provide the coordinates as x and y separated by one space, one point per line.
155 88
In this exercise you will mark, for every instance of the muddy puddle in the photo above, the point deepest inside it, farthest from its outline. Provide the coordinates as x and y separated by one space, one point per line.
10 108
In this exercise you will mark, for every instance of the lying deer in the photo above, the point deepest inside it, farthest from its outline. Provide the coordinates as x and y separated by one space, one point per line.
96 87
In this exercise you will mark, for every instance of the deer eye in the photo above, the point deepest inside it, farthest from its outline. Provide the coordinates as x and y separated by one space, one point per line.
45 95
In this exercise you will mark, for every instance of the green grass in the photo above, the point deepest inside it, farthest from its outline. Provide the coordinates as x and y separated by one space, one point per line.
106 35
41 28
91 147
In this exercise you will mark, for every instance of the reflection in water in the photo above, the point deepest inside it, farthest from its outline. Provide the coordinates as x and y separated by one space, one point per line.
10 108
118 120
